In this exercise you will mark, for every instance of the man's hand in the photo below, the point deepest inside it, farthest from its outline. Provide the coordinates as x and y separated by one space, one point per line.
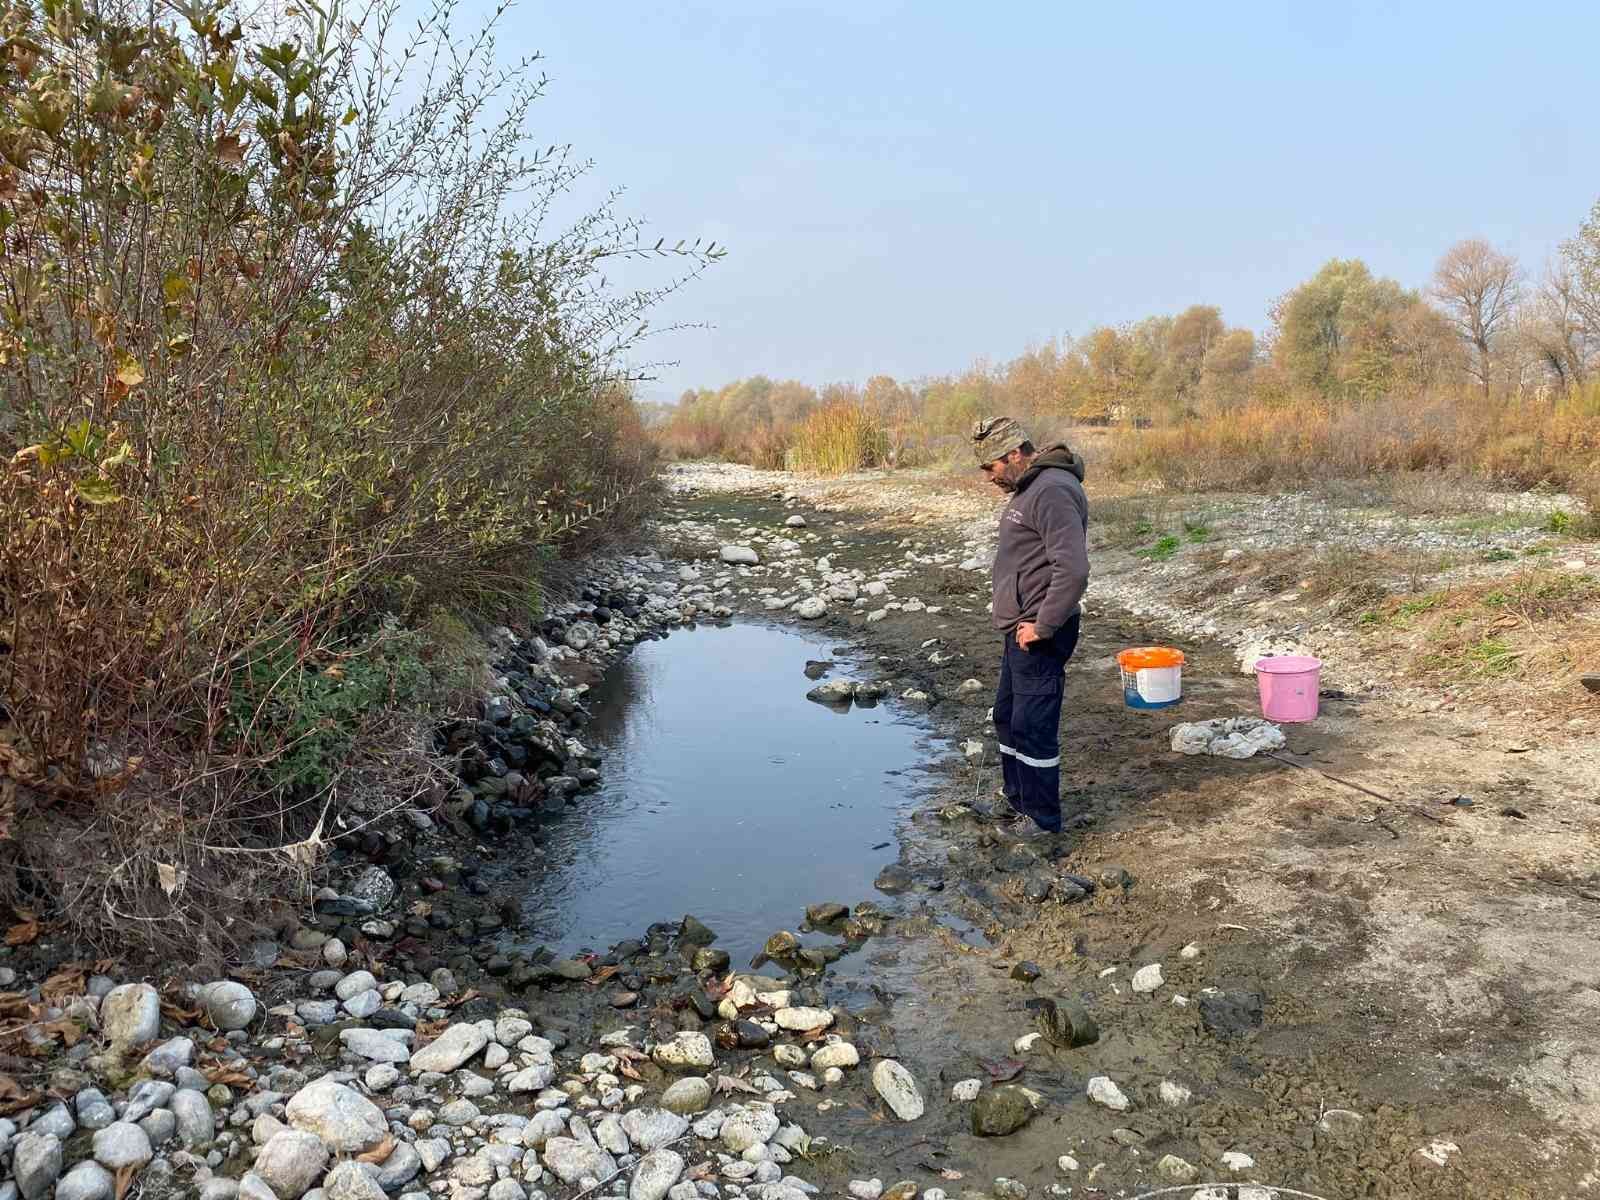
1027 634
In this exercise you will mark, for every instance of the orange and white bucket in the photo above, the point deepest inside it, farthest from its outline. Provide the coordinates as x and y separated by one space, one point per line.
1152 676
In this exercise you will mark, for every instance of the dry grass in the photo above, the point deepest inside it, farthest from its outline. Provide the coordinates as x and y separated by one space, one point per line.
1536 627
838 438
1522 442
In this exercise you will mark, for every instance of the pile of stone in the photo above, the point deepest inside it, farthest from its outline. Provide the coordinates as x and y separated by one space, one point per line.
772 569
483 1110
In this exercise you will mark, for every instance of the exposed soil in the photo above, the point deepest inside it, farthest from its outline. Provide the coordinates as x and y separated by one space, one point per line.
1426 964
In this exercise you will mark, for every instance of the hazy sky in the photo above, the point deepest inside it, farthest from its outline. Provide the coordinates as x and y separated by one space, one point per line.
907 187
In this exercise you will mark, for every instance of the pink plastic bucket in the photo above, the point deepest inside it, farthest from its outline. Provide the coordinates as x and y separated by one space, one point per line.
1289 684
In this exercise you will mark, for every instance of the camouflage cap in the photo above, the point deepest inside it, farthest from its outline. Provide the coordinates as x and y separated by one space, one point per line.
996 437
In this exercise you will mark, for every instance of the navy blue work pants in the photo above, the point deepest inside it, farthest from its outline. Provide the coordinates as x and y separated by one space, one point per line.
1027 723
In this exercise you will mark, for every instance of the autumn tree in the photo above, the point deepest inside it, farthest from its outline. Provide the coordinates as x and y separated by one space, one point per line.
1577 283
1226 370
1190 338
1344 334
1479 289
1552 330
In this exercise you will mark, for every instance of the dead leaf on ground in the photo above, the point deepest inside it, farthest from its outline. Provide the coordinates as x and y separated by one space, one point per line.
25 932
178 1014
469 994
232 1076
124 1180
1002 1069
14 1098
66 983
603 974
727 1084
380 1152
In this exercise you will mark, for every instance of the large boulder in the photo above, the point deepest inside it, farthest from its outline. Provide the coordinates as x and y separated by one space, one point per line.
835 1054
351 1181
86 1181
1001 1110
341 1116
687 1096
194 1124
291 1163
686 1051
898 1089
749 1127
648 1128
121 1144
375 1045
578 1157
375 885
655 1175
228 1004
36 1164
450 1050
797 1020
168 1058
838 692
130 1015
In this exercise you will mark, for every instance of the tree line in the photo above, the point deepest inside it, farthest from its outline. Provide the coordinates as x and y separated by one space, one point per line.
1483 324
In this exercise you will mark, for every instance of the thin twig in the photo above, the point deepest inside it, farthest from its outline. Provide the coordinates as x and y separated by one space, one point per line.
1315 771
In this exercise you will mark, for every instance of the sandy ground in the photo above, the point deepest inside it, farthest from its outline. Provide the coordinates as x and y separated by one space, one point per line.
1426 963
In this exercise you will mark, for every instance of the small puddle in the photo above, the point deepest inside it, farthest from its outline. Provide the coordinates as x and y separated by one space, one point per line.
727 794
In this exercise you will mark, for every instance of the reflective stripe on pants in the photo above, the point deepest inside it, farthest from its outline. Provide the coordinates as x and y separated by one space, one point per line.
1027 723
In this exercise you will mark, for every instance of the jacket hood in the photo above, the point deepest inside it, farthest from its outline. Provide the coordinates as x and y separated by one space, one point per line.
1057 456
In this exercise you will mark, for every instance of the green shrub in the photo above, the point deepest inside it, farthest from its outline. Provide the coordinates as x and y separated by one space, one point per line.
289 338
1162 549
299 714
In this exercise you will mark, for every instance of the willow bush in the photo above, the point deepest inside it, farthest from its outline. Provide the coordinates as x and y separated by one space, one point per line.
286 339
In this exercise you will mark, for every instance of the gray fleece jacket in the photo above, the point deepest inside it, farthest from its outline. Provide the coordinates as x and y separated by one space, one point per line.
1042 566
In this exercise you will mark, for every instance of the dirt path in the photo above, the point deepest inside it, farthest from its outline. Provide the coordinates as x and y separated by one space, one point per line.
1425 965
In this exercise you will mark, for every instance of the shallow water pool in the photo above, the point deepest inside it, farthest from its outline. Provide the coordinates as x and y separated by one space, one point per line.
727 794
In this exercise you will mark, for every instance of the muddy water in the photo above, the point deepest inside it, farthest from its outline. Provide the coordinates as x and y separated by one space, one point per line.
727 794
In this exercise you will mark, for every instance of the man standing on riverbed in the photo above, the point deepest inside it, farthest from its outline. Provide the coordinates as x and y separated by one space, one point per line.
1040 572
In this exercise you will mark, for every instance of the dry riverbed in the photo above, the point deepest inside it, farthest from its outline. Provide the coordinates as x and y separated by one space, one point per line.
1238 973
1422 960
